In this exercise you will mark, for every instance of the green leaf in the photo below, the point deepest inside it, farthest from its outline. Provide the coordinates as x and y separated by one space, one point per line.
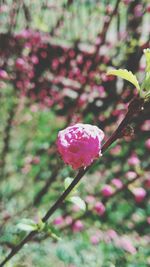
78 201
52 231
147 55
67 182
145 91
27 225
126 75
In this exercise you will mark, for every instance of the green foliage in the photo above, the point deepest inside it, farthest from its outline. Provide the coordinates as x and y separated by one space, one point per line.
78 201
27 225
145 89
126 75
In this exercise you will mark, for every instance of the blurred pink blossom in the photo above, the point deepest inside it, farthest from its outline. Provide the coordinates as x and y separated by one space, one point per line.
107 191
117 183
146 126
131 175
133 160
78 226
127 245
147 143
99 208
139 194
59 220
95 239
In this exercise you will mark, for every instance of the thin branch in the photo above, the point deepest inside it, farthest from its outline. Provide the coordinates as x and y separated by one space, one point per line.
134 108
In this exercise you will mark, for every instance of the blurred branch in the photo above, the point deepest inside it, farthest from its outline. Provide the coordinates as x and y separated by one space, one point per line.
7 131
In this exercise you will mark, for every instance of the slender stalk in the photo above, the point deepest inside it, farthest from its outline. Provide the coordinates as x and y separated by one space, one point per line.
134 108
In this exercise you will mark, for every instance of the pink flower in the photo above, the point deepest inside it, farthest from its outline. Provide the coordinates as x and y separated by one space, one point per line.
90 199
147 183
146 126
148 8
131 175
117 183
127 2
95 239
148 220
99 208
133 160
138 11
78 226
107 191
147 143
20 64
80 144
59 220
3 74
127 245
68 220
139 194
115 150
112 234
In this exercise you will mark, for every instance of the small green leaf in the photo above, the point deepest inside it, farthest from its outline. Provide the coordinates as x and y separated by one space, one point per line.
67 182
145 88
147 55
52 231
78 201
27 225
126 75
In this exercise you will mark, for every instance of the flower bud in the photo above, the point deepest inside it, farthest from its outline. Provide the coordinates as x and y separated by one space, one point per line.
107 191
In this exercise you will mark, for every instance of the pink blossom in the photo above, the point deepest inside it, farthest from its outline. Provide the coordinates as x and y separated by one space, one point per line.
90 199
34 59
3 74
115 150
148 220
147 143
117 183
133 160
146 125
127 2
147 183
68 220
107 191
127 245
77 226
148 8
139 194
99 208
95 239
36 160
131 175
59 220
80 144
138 11
112 234
20 64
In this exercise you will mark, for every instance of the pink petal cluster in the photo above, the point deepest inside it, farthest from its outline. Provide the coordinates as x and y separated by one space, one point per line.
80 144
147 143
139 194
77 226
133 160
107 190
99 208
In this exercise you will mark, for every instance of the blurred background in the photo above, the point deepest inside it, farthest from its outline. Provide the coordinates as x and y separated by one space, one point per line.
54 56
